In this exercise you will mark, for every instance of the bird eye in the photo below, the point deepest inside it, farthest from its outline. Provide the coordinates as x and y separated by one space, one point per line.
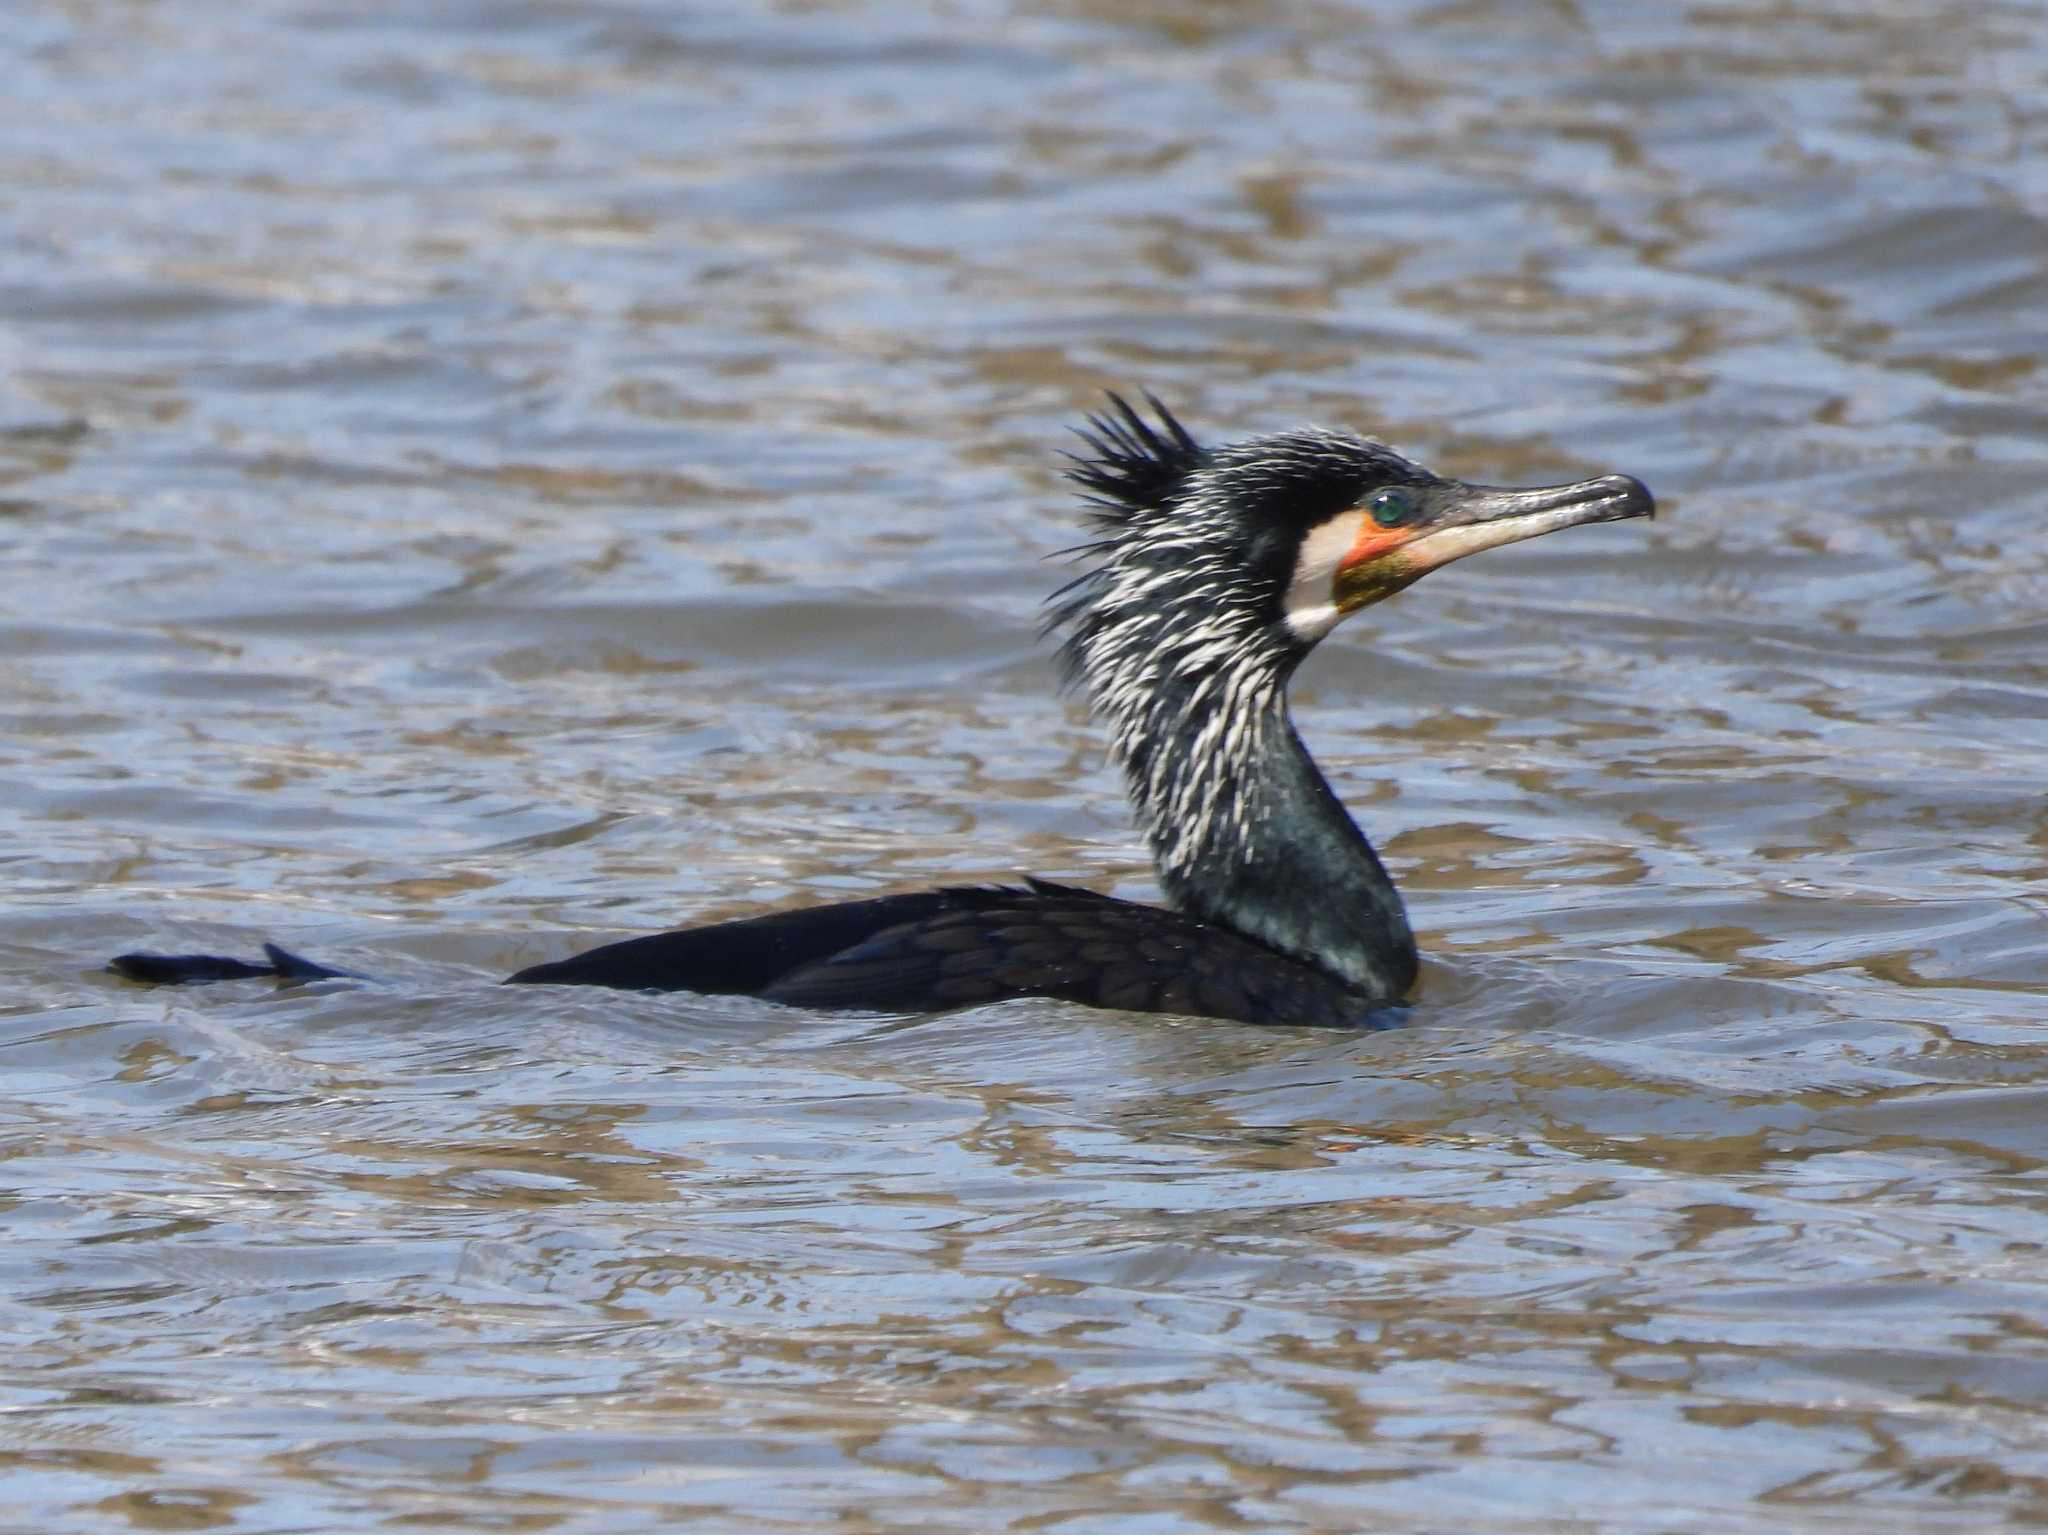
1392 508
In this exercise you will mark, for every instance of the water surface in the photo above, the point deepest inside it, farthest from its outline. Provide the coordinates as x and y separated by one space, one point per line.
482 479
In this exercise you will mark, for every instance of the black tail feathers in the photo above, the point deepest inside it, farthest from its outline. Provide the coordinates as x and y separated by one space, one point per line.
180 969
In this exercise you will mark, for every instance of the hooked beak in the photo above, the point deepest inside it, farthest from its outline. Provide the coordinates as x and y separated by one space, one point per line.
1464 519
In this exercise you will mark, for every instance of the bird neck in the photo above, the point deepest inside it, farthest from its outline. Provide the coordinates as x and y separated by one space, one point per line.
1246 832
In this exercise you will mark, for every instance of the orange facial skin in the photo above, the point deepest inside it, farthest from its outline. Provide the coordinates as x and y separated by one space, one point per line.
1372 542
1373 569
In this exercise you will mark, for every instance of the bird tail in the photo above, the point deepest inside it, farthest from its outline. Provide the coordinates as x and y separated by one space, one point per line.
180 969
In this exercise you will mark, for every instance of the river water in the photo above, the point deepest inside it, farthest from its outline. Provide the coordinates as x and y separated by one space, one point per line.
485 478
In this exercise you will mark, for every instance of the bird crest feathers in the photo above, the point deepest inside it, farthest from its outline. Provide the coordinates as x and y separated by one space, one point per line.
1133 467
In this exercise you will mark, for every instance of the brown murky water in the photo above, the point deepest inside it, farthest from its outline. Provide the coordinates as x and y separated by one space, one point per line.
486 477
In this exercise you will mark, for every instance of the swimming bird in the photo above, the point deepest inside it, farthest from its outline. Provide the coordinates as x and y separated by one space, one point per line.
1212 575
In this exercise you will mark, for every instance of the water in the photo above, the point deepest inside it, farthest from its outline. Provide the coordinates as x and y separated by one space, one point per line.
481 479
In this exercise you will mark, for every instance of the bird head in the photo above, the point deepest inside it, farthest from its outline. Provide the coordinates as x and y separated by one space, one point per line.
1295 530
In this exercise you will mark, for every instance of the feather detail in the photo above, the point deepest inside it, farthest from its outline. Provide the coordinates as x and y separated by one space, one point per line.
1168 634
1133 468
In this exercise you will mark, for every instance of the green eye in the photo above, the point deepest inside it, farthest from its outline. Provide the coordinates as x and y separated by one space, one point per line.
1391 508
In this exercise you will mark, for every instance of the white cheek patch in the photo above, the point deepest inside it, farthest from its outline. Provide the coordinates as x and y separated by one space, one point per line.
1311 607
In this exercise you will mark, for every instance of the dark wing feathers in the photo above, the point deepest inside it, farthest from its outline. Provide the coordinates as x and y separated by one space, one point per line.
1072 946
938 949
743 958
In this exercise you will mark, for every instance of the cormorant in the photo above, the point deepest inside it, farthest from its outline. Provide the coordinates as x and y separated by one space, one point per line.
1215 572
